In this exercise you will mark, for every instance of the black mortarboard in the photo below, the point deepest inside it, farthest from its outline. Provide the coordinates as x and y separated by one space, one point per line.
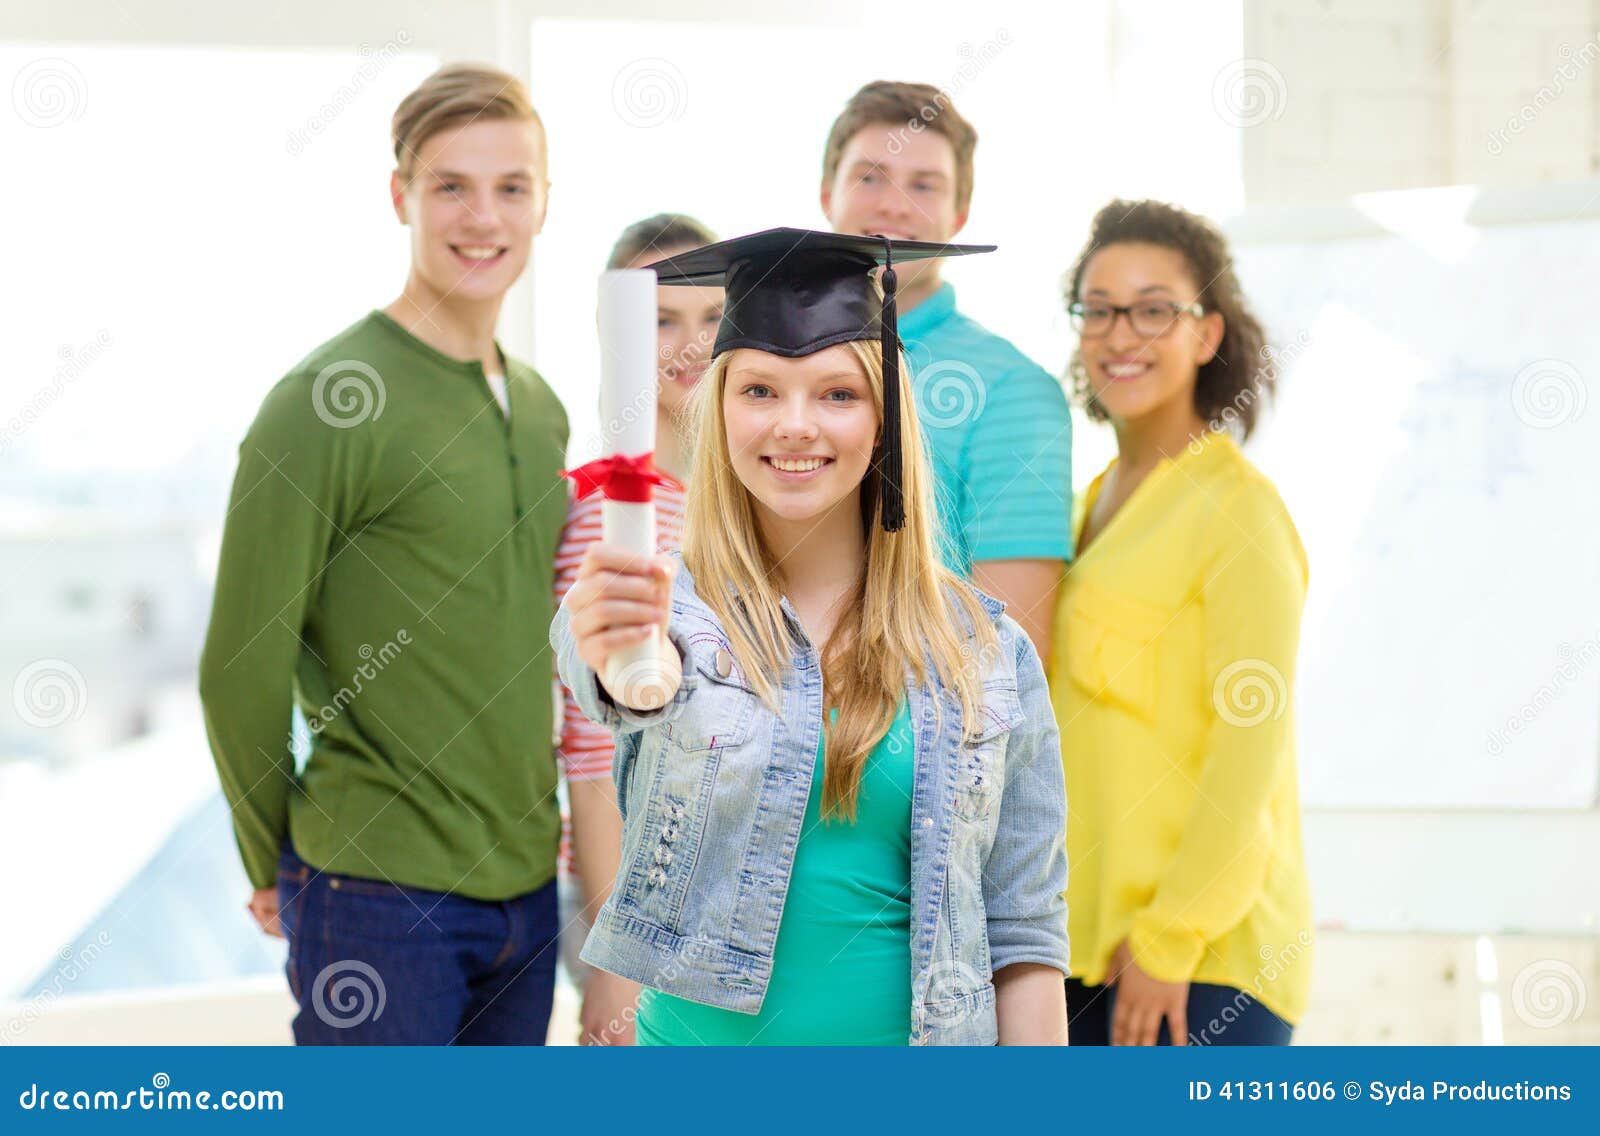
794 292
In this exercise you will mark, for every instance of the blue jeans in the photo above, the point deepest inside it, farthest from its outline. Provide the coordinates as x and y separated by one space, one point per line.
375 963
1217 1015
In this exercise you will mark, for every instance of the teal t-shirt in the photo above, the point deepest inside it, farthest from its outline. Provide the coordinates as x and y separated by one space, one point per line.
841 971
999 435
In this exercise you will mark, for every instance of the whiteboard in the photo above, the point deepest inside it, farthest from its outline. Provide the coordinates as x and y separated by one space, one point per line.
1437 440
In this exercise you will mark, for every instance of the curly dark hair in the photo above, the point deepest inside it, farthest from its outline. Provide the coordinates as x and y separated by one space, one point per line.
1229 390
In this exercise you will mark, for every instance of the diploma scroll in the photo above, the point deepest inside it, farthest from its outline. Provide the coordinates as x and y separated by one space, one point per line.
640 676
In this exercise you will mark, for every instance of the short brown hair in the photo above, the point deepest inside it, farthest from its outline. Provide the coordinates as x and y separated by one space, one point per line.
453 96
1230 388
661 233
914 107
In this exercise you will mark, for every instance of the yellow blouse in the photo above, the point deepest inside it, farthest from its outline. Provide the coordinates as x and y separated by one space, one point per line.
1172 677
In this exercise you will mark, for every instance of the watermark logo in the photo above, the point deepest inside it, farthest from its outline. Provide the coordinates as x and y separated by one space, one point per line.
72 965
48 93
374 663
1566 74
1548 993
1573 663
974 61
1249 92
1250 692
75 361
49 693
372 65
347 993
948 983
1548 393
649 93
348 393
953 393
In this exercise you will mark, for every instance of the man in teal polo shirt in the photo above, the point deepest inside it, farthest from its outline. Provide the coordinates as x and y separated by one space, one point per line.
387 563
899 162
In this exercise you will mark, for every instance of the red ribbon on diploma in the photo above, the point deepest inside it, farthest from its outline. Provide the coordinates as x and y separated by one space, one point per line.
619 477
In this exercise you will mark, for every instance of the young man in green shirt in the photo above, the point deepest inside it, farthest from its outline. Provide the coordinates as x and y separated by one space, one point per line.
899 162
387 564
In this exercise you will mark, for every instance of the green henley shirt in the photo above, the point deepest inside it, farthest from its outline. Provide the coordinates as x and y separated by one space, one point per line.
387 563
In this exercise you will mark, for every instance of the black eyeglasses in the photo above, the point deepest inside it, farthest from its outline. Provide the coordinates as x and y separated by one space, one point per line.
1150 319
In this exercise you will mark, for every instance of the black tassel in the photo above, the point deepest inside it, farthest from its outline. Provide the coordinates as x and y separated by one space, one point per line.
891 493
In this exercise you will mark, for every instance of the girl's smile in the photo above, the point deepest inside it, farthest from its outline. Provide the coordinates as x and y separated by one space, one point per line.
795 467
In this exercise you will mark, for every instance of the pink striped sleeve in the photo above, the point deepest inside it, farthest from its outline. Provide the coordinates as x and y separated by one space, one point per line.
584 751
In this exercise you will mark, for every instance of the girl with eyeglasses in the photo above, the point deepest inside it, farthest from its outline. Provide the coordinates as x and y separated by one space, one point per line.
1173 667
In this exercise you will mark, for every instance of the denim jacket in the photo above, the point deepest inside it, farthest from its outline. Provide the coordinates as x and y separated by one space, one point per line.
713 787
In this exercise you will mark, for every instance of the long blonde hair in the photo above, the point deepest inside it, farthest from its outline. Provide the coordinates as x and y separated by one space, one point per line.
903 615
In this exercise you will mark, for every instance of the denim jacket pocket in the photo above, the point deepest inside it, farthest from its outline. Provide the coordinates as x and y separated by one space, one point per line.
722 711
980 776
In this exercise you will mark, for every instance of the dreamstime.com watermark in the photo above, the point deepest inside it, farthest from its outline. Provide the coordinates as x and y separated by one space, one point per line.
664 976
372 65
74 362
646 401
974 61
71 966
158 1096
1275 962
376 661
1573 662
1566 75
1274 362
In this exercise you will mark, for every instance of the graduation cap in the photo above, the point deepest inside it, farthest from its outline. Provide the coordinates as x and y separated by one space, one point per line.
793 292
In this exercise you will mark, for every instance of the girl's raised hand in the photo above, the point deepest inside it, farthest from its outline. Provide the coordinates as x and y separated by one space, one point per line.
616 600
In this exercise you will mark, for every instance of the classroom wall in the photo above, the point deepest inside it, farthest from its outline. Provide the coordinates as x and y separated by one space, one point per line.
1364 95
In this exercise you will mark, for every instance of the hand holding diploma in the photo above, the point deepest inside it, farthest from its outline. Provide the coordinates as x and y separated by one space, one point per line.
621 600
621 604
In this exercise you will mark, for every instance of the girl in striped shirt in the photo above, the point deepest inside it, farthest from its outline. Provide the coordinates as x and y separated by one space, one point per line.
686 326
